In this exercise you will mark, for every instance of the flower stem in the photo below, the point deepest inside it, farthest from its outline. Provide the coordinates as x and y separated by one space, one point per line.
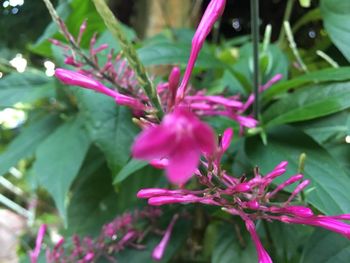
114 26
254 8
286 17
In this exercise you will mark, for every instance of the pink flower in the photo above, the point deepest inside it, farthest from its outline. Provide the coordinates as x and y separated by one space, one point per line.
320 221
263 256
181 138
34 255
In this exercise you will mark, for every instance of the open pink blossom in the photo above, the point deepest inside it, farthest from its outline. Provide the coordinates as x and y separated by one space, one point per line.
181 138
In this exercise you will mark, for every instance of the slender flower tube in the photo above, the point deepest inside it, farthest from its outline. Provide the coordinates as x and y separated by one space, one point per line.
76 79
320 221
181 138
34 255
263 256
211 15
159 250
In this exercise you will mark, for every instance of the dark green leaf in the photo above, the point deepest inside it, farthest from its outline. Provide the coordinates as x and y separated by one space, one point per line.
24 87
26 142
110 126
165 53
131 167
324 75
309 103
93 200
59 158
331 184
227 248
326 247
335 15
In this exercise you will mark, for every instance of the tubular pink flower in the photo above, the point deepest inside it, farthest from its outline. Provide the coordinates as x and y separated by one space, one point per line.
165 200
289 181
151 192
243 187
211 15
159 250
226 139
299 211
181 138
77 79
34 255
297 190
320 221
263 256
129 101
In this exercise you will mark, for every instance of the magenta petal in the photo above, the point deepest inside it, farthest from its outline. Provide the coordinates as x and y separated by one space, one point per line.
183 162
154 142
205 137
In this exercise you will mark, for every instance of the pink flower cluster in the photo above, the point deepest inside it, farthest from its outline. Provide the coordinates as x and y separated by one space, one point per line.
250 199
122 232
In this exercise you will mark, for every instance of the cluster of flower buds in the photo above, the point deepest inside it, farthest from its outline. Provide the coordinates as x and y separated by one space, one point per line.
124 231
251 199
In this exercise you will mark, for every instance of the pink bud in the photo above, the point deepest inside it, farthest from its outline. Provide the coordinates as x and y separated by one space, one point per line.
150 192
252 204
76 79
174 79
211 15
243 187
34 255
226 139
159 250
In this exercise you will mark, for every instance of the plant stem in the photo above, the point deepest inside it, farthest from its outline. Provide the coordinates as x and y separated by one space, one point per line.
286 17
130 53
254 8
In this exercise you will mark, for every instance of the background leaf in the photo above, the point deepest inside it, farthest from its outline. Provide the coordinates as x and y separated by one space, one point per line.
326 247
27 141
59 158
309 103
335 15
110 126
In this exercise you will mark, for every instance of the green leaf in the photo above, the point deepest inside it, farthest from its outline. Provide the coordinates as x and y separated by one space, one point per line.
335 15
309 103
324 75
227 248
326 247
24 87
165 53
58 160
331 184
26 142
131 167
93 200
110 126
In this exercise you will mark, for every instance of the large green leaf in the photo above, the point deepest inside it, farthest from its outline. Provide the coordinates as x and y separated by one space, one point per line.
324 75
94 201
131 167
110 126
331 184
227 248
24 87
164 53
26 142
59 158
309 103
326 247
335 15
